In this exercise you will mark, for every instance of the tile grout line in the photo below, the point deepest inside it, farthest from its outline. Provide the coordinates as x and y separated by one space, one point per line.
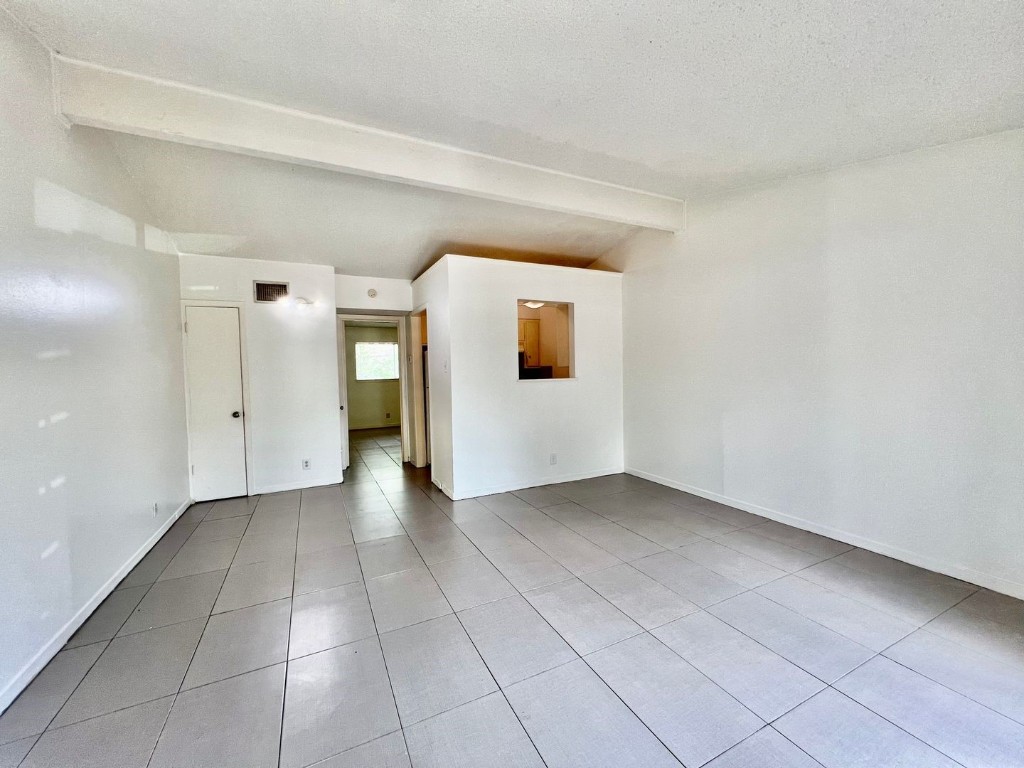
288 644
167 717
107 642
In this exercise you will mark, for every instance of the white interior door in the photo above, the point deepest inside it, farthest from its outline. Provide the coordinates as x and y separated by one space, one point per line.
213 355
343 392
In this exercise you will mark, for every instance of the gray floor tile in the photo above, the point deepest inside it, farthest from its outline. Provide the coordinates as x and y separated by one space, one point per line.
661 532
434 667
575 720
721 512
767 550
124 739
991 638
440 543
514 640
255 583
734 565
241 641
695 521
912 600
575 553
621 542
761 680
336 700
260 547
482 732
490 533
637 595
200 557
503 502
426 515
526 567
386 752
284 525
765 749
971 734
155 562
581 616
12 754
231 722
540 497
470 581
800 539
242 505
174 601
840 733
370 528
226 528
326 568
825 654
330 617
575 517
691 715
685 577
995 607
134 669
108 618
861 623
32 711
391 555
994 683
405 598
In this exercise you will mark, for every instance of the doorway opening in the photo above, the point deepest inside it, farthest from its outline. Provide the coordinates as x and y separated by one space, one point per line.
372 383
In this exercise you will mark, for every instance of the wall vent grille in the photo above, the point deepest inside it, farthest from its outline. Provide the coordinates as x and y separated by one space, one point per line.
266 293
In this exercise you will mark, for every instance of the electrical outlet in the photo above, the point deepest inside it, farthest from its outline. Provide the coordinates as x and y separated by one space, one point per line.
554 459
156 508
305 464
387 415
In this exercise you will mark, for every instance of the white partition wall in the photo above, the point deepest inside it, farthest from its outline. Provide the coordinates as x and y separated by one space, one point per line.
506 433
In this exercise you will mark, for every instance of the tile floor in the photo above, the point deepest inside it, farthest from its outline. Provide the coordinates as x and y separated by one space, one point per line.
607 622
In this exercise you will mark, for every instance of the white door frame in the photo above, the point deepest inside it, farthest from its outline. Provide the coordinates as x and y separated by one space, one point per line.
246 410
419 450
399 321
343 392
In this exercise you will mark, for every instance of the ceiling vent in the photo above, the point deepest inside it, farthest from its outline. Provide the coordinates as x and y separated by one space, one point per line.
266 293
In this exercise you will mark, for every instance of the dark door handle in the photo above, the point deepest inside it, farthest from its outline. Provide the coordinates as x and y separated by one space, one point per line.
235 414
343 407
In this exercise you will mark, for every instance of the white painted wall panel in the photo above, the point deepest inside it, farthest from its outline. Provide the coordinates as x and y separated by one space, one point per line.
392 295
503 429
845 352
292 366
92 405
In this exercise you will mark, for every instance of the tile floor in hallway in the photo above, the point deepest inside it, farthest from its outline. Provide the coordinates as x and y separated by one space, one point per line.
606 622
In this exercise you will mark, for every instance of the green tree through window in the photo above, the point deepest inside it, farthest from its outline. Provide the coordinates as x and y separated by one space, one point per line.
376 360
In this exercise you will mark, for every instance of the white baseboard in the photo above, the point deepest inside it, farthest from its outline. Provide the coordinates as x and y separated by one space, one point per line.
506 487
34 665
964 573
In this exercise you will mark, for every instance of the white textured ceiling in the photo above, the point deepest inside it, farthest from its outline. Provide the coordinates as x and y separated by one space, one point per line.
220 203
683 98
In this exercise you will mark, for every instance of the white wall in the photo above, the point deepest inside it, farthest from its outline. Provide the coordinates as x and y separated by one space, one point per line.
430 291
292 366
92 403
393 295
845 352
370 402
504 429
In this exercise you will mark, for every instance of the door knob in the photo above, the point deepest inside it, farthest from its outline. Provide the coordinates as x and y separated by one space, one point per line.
235 414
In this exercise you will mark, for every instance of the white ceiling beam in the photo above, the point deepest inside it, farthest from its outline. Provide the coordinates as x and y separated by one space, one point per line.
88 94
